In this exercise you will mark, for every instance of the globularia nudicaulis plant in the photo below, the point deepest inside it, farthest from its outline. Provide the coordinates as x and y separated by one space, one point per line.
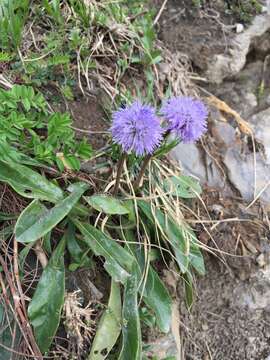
134 222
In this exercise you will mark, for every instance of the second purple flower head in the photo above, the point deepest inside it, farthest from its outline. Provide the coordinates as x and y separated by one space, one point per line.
186 117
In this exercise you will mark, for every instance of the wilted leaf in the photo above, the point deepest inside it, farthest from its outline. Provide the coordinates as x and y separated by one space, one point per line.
109 326
107 204
44 310
32 225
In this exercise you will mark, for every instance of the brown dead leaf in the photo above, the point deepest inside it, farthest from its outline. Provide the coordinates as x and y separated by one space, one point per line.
224 107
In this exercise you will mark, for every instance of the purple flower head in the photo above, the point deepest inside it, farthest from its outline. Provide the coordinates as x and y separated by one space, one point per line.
137 128
186 117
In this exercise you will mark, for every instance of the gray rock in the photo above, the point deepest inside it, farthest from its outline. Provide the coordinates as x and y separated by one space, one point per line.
190 160
241 173
261 126
222 66
256 293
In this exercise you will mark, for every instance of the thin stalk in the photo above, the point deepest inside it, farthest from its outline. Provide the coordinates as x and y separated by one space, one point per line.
142 171
119 172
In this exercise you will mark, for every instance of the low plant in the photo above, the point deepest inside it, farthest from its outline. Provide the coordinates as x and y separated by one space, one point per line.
131 223
27 125
13 15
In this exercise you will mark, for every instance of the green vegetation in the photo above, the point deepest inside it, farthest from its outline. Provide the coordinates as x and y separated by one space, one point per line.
68 220
244 10
241 10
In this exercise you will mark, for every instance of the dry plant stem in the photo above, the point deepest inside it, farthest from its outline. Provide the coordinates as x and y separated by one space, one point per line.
119 172
26 328
146 161
40 254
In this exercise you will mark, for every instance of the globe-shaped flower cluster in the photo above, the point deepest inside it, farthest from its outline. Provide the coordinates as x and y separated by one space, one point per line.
137 128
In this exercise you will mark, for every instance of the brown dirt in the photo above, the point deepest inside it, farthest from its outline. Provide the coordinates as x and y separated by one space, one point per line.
197 31
89 119
221 328
228 320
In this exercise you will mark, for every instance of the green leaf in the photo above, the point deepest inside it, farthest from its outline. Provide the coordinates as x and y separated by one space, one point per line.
155 295
32 226
30 216
107 204
117 260
132 342
9 334
188 284
174 234
77 254
196 258
6 217
45 308
6 232
28 182
109 326
183 186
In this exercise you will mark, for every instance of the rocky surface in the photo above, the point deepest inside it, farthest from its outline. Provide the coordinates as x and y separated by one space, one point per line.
244 159
231 316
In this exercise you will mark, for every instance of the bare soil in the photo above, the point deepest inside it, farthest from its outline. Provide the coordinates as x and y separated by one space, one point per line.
199 31
230 319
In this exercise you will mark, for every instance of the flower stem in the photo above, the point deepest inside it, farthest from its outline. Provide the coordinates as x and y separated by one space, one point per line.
142 171
119 172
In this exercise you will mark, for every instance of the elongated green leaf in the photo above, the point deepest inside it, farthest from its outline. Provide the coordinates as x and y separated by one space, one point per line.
132 342
188 284
183 186
44 310
31 215
118 261
30 227
182 239
78 256
156 296
29 183
196 258
109 327
107 204
6 217
173 233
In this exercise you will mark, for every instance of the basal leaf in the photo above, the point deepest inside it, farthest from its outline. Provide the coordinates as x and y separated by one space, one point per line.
78 255
109 327
30 216
155 295
183 186
44 310
29 183
173 233
131 330
31 227
107 204
118 261
182 239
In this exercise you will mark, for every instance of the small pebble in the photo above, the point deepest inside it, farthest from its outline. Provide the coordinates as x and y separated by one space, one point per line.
261 261
239 28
